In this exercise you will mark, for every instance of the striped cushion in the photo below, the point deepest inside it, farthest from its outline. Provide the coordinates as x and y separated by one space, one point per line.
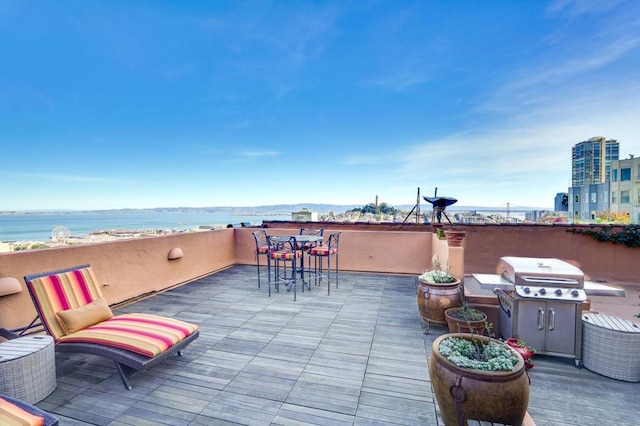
286 255
145 334
263 249
61 292
12 415
323 251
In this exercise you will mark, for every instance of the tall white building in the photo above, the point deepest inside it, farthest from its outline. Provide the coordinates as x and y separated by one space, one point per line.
625 187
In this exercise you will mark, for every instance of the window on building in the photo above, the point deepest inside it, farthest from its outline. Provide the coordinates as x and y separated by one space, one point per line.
576 198
614 197
624 197
638 198
625 174
638 174
594 197
614 175
604 197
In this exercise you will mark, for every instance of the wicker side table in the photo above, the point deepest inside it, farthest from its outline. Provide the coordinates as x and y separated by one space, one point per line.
611 346
28 368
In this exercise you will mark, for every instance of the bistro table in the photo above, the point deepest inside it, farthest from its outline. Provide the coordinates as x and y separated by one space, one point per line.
301 241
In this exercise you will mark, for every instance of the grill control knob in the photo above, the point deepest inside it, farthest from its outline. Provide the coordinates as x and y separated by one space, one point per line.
574 293
543 291
527 290
558 292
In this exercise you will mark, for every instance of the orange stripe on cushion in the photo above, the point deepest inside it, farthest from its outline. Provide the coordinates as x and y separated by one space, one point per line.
323 251
12 415
145 334
60 292
288 255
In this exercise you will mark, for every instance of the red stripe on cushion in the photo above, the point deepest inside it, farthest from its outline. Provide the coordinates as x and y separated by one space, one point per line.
56 284
84 289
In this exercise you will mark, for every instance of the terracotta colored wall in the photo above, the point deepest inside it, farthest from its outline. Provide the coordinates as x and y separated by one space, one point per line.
485 244
126 269
134 267
377 251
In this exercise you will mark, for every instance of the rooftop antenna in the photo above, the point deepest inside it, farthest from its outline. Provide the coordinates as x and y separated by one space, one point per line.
439 206
416 208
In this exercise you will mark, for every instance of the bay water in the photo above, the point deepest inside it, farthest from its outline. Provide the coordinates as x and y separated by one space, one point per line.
39 226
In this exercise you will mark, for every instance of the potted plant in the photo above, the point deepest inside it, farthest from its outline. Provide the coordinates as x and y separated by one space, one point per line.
525 351
437 291
464 319
455 237
478 377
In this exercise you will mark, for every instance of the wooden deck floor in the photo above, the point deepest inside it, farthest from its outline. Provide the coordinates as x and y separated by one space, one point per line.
356 357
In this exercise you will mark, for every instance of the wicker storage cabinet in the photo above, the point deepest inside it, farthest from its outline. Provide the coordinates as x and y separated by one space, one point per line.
28 368
611 346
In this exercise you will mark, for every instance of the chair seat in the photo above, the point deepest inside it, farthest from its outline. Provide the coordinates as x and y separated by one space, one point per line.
263 249
323 251
286 255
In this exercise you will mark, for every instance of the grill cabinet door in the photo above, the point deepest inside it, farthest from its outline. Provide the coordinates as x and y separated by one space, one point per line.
561 327
532 319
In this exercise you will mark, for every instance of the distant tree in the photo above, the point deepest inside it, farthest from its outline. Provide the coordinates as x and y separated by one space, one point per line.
383 208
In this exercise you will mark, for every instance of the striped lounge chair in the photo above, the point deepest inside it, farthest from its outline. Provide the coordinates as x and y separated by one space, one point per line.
16 412
74 312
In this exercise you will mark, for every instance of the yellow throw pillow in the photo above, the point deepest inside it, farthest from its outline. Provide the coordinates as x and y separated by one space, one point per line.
12 415
76 319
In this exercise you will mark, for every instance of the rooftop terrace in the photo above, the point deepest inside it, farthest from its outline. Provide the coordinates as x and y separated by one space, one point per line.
356 357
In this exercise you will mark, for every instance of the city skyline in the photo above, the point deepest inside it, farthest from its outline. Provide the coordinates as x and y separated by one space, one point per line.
113 105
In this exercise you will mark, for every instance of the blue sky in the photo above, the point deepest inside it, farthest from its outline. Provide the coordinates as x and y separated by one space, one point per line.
135 104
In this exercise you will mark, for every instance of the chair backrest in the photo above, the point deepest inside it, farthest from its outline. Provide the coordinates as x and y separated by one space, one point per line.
334 240
61 290
261 238
311 231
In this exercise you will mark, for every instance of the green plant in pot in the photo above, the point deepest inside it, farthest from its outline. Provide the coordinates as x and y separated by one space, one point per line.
478 377
437 291
464 319
437 275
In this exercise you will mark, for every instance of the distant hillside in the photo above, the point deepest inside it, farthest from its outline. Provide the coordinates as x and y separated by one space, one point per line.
273 209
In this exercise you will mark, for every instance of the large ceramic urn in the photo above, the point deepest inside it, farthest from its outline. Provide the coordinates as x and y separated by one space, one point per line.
468 394
435 298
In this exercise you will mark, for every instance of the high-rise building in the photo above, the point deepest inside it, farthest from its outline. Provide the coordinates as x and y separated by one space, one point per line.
591 161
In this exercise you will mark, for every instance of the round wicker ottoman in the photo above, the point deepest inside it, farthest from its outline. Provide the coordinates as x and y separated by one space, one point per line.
28 368
611 346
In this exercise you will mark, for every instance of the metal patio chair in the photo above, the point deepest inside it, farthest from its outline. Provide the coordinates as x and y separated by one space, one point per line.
325 251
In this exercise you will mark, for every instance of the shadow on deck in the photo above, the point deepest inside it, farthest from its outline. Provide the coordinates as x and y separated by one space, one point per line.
357 357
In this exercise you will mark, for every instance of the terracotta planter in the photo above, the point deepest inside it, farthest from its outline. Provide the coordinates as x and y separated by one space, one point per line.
466 394
435 298
455 238
460 325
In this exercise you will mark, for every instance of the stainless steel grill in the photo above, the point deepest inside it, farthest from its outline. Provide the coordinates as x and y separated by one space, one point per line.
540 301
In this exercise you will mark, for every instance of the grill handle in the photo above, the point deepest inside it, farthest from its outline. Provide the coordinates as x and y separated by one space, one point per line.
540 319
552 319
568 282
502 294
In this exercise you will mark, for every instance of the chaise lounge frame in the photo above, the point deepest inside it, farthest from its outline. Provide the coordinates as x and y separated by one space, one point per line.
127 363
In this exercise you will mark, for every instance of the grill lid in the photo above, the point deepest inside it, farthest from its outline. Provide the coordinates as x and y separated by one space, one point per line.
534 271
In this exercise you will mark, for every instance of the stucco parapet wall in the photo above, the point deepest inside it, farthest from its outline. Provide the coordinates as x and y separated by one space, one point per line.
126 269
